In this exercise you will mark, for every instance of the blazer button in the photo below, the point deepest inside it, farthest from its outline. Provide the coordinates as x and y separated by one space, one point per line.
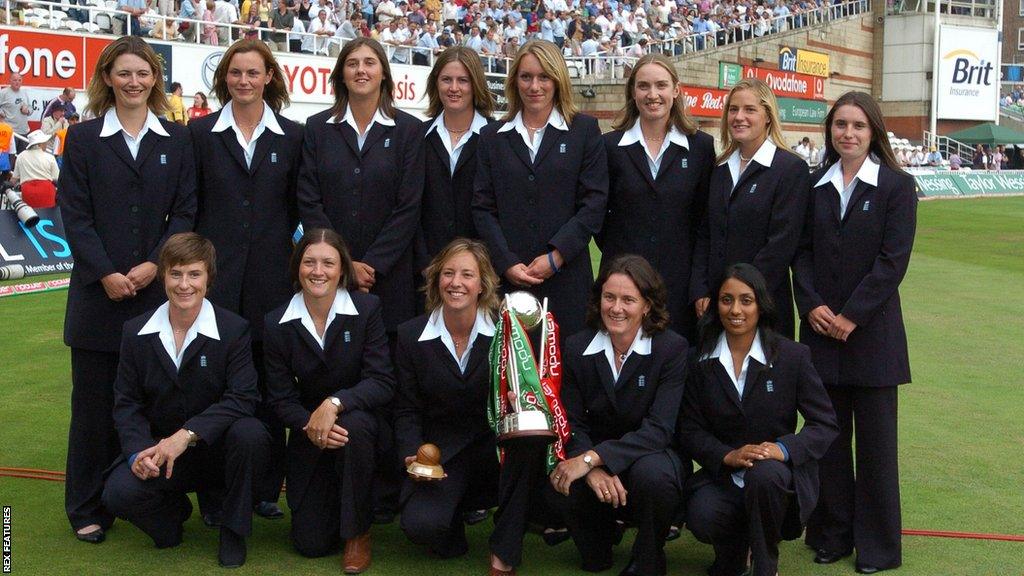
356 171
354 213
135 252
135 230
245 202
245 224
653 239
531 177
135 208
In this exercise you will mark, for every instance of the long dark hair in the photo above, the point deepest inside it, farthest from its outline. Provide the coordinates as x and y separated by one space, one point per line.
648 282
879 140
710 327
386 100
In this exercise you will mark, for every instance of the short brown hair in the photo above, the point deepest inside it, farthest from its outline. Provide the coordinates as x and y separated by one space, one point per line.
488 277
101 96
187 248
648 282
483 101
275 94
332 239
386 101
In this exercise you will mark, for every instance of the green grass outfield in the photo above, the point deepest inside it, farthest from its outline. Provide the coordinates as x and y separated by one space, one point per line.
961 433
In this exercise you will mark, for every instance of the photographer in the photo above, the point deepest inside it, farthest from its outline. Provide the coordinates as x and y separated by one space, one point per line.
37 172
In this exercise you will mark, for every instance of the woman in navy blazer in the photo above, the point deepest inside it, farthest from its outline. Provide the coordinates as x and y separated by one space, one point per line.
623 382
247 162
855 252
758 480
542 185
659 168
185 396
460 106
128 184
328 372
757 201
444 380
362 175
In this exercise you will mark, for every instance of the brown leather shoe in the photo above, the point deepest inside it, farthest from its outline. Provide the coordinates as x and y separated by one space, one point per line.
357 554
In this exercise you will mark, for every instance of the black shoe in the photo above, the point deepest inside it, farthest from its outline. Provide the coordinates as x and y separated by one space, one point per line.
268 510
555 537
826 557
673 533
865 569
213 519
232 549
620 531
471 517
97 536
597 565
631 569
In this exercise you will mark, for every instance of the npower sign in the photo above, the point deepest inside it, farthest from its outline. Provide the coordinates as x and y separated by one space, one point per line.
968 73
48 60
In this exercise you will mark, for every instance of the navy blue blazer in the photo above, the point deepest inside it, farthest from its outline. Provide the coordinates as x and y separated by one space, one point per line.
714 420
854 265
249 214
658 218
117 213
436 402
759 222
215 386
525 209
446 212
353 366
371 197
632 417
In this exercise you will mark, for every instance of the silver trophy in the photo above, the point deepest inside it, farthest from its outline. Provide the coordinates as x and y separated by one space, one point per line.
529 422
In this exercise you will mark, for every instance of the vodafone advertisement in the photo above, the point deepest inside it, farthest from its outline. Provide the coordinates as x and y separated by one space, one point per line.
307 78
791 84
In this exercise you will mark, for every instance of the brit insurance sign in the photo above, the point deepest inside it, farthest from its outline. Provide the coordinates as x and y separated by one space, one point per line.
968 73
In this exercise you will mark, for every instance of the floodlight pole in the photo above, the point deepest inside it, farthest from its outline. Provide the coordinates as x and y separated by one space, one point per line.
934 113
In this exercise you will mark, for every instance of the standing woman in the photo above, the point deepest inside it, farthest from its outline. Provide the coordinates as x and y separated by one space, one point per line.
756 203
247 163
855 252
659 169
200 107
443 385
542 185
128 184
758 480
328 371
623 384
460 105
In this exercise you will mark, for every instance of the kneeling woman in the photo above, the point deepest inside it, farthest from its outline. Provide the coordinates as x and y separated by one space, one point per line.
443 383
623 386
758 481
328 370
186 377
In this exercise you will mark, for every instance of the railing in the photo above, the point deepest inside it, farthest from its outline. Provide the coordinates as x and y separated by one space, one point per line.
611 66
974 8
946 146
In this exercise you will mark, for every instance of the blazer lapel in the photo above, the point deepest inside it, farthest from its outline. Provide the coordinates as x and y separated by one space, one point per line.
826 194
348 135
231 143
639 157
755 373
628 368
162 357
516 141
859 191
120 148
479 352
445 357
306 337
753 169
552 136
468 153
377 131
669 159
146 147
726 383
193 349
604 371
435 142
337 326
263 146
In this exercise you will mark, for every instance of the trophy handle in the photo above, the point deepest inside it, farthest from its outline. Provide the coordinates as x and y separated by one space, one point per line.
513 371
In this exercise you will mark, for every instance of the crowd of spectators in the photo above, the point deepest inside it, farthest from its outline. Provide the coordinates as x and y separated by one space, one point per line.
495 28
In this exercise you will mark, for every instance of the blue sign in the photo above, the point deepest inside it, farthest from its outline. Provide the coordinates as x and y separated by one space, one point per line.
42 249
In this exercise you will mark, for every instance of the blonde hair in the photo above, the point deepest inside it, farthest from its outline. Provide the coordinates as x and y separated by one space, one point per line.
101 96
677 116
553 64
488 277
483 101
771 109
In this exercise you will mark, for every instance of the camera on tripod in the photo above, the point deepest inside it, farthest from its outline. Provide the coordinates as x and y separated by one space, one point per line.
12 198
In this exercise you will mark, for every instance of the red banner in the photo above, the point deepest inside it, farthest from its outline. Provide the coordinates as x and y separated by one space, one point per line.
48 59
792 84
705 102
551 384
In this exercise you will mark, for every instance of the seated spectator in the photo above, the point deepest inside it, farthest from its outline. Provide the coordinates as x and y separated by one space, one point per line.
955 161
934 158
135 9
323 29
56 121
37 171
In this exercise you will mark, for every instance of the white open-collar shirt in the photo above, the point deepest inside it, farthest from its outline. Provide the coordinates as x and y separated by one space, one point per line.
635 134
112 125
342 305
868 174
455 151
267 122
160 323
555 120
602 342
764 156
436 328
379 117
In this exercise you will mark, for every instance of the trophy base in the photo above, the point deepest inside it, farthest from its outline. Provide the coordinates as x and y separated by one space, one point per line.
433 472
531 425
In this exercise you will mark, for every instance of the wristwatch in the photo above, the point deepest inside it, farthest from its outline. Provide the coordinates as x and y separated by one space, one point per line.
589 461
336 401
193 438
